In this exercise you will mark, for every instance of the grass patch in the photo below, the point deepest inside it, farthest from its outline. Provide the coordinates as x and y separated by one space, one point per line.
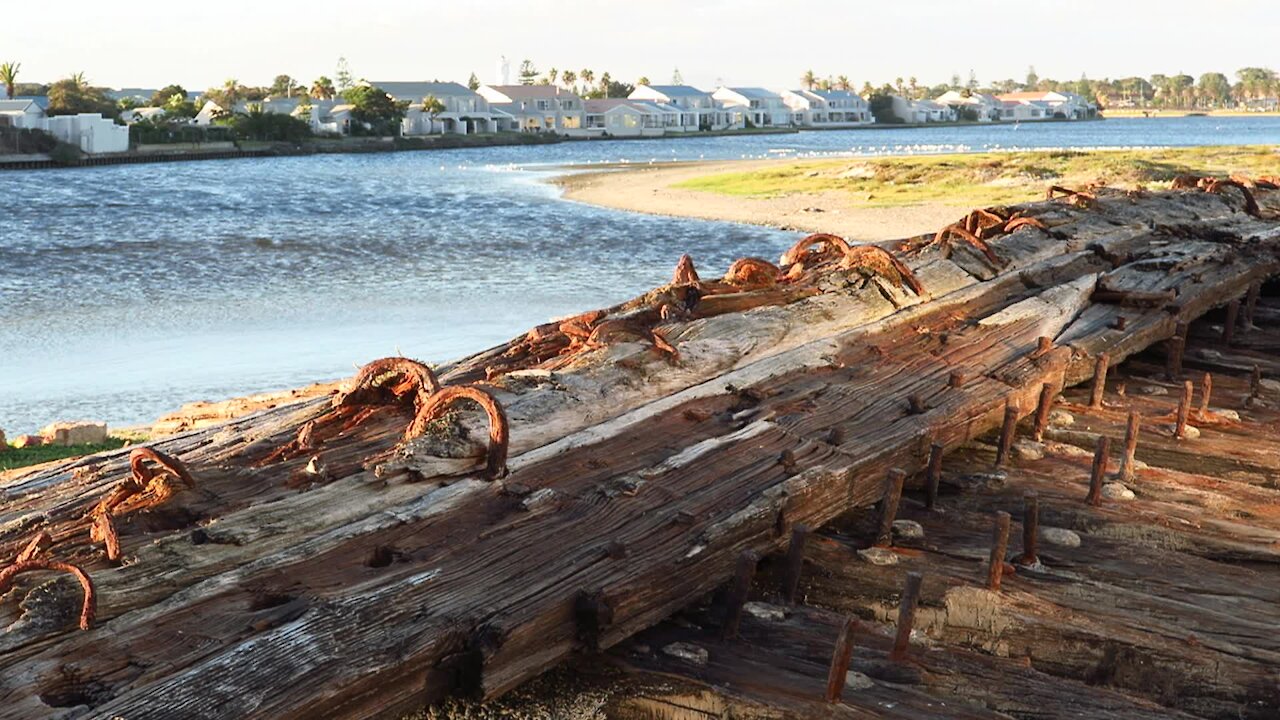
985 178
22 457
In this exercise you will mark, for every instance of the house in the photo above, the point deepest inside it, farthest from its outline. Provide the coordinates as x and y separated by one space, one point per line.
21 113
1024 111
538 108
758 107
971 105
91 132
134 115
623 117
929 111
466 111
1061 104
698 109
827 108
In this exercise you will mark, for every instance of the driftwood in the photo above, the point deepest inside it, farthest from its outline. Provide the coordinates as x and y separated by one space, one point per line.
372 572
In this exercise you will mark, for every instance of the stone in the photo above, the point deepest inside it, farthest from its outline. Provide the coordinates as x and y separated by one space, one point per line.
1061 537
26 441
879 556
67 434
1231 415
1117 491
854 680
1067 450
1028 450
765 611
908 530
1153 390
1061 418
1270 384
1191 432
688 652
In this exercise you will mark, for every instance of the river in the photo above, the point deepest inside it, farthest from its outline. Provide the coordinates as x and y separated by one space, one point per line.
128 290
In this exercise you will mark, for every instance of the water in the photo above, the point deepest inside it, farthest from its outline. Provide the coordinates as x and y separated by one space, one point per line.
128 290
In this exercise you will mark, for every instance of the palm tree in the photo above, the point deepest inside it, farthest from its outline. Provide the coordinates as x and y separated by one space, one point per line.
587 76
605 79
432 106
898 85
80 81
913 84
842 83
322 89
568 77
230 94
808 79
644 80
553 74
9 76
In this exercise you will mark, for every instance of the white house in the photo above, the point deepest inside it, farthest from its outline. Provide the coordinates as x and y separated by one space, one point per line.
538 108
980 106
466 111
698 109
91 132
1024 111
758 107
621 117
930 112
827 108
1060 105
21 113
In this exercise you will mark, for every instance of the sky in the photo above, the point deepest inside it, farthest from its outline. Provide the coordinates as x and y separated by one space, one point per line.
151 43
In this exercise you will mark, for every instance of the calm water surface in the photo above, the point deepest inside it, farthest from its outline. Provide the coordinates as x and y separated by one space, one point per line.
128 290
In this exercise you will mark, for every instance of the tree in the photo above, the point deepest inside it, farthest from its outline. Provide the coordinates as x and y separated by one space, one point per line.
808 79
643 80
973 81
9 76
1214 88
842 83
824 84
676 77
867 90
528 73
323 89
165 95
343 76
375 109
432 106
74 95
1032 78
588 76
257 124
473 82
914 86
227 96
552 74
955 81
568 78
605 79
284 85
899 86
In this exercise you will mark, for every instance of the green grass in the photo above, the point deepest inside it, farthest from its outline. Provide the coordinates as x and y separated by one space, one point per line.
11 457
985 178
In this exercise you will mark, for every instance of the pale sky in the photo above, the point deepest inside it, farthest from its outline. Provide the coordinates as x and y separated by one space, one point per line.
150 43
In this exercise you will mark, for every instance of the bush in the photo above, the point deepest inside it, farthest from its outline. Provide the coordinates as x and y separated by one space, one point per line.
15 141
65 154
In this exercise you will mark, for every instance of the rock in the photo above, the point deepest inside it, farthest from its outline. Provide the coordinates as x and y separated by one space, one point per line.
1061 537
854 680
1231 415
1061 418
1272 385
765 611
1066 450
1117 491
1191 433
688 652
1153 390
879 556
908 530
1028 450
67 434
26 441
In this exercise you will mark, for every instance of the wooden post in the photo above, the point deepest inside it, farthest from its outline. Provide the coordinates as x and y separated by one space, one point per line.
1030 528
957 379
1101 455
915 405
1184 408
795 562
1099 380
889 505
736 597
906 617
1206 391
1255 382
999 546
1229 327
1173 361
933 476
1006 433
840 658
1043 345
1130 446
1043 409
1121 322
1251 302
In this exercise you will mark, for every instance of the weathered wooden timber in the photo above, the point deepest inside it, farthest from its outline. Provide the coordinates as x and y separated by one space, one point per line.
368 572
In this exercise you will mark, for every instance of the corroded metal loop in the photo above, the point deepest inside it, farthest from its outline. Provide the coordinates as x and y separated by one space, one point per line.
90 606
143 474
878 261
1079 198
828 246
371 381
686 273
752 271
102 527
437 405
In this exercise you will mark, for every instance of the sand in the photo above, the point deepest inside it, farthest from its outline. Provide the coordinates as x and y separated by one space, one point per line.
649 190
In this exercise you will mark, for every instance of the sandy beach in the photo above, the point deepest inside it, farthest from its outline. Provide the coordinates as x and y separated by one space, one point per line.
650 190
